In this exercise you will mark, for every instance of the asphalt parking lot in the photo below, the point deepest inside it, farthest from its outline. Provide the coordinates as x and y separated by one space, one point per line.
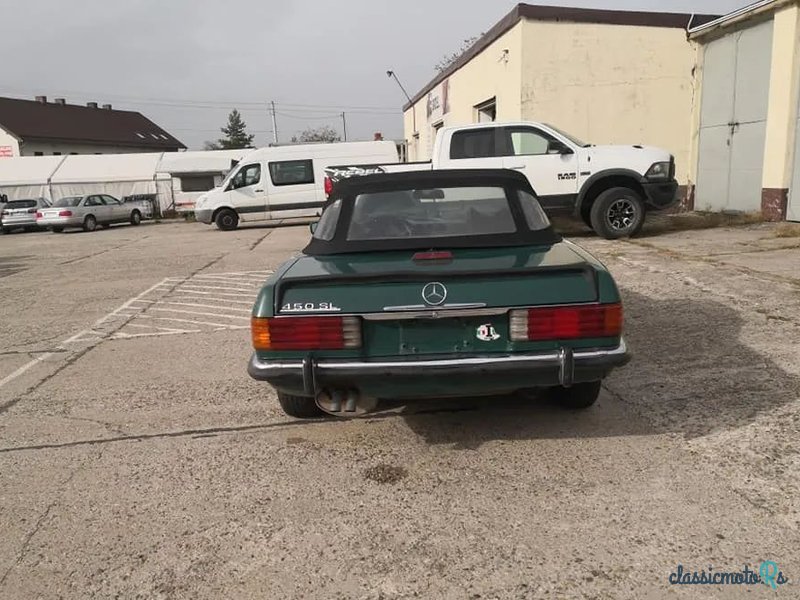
138 459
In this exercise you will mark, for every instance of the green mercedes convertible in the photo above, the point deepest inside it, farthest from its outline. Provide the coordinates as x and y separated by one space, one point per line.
433 284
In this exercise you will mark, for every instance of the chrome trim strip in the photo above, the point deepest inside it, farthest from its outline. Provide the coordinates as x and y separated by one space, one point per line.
554 358
433 307
431 313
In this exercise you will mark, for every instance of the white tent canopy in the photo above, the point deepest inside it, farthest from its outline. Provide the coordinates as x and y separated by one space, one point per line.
27 176
211 161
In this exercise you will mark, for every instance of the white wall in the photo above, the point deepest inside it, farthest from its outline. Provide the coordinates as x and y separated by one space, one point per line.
8 141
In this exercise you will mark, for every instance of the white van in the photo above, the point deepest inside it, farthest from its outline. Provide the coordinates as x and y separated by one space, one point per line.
283 182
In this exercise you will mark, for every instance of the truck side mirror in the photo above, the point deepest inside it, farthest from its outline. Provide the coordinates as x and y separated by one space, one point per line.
313 226
558 147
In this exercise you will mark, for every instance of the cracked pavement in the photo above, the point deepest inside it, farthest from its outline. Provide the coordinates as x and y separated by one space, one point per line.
153 467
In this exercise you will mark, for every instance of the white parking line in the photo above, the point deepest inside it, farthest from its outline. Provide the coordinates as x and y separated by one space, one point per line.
191 296
206 314
247 310
195 322
215 287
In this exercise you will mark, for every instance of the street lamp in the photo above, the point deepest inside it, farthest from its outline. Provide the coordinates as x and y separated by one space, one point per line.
393 75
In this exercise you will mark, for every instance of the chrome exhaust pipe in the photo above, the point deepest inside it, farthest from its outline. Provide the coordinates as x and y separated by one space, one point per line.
345 403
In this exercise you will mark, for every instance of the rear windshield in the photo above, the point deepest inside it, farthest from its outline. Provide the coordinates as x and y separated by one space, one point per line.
71 201
420 213
21 204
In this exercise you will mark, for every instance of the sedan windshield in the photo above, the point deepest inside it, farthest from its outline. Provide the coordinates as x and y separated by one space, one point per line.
69 201
448 212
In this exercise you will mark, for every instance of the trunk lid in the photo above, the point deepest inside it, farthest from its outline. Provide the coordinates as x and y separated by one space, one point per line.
381 282
473 291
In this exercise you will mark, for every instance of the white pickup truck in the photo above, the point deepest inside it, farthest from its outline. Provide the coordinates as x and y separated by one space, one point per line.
610 187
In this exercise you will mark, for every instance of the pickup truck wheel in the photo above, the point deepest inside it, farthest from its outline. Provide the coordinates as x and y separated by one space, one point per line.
136 217
227 220
616 213
89 223
577 397
300 407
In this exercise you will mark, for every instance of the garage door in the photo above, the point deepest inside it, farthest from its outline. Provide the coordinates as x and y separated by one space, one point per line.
733 120
793 211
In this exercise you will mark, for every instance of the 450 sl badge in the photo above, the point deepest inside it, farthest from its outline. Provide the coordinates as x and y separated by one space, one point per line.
487 333
309 307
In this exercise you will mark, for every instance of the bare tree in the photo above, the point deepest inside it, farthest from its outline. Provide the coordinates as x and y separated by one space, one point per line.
324 133
449 59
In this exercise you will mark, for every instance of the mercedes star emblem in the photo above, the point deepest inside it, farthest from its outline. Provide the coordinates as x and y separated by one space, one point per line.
434 293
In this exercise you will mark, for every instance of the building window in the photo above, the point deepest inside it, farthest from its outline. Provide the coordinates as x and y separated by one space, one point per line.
473 143
486 112
197 183
291 172
38 153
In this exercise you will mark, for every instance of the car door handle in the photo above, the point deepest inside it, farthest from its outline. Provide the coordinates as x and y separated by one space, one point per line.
259 190
518 167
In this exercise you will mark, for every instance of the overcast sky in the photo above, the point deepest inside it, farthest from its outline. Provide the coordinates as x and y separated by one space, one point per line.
186 63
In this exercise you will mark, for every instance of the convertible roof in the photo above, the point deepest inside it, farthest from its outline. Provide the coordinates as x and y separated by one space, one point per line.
347 190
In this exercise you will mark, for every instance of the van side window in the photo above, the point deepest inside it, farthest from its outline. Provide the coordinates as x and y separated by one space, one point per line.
473 143
291 172
247 175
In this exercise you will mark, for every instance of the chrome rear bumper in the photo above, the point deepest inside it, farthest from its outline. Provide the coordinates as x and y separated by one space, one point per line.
563 367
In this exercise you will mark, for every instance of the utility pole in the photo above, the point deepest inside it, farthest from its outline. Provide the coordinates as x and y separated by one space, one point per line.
274 123
344 126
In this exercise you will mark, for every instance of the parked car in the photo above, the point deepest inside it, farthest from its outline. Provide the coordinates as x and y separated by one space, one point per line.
431 284
609 187
21 214
282 182
87 212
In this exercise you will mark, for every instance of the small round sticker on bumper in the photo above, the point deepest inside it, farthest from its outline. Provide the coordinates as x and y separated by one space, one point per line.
487 333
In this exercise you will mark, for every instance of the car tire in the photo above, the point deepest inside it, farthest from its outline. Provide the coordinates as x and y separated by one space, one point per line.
136 218
56 229
577 397
6 230
301 407
227 220
617 213
89 223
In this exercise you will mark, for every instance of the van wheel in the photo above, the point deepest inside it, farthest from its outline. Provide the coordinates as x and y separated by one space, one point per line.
617 213
89 223
300 407
227 220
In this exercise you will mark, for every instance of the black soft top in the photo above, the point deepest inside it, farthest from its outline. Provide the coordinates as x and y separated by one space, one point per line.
348 189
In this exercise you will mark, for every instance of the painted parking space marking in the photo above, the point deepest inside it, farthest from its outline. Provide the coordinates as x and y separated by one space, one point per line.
173 306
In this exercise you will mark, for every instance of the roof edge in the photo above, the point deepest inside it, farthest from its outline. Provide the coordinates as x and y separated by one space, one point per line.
561 14
737 16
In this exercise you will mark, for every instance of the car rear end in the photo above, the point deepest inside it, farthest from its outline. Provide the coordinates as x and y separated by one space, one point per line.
498 329
64 213
18 214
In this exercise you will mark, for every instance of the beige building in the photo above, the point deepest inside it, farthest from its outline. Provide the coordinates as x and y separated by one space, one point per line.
745 143
608 77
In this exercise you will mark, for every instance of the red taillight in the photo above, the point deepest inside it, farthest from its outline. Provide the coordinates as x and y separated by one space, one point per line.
433 255
306 333
65 213
39 215
328 183
566 322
